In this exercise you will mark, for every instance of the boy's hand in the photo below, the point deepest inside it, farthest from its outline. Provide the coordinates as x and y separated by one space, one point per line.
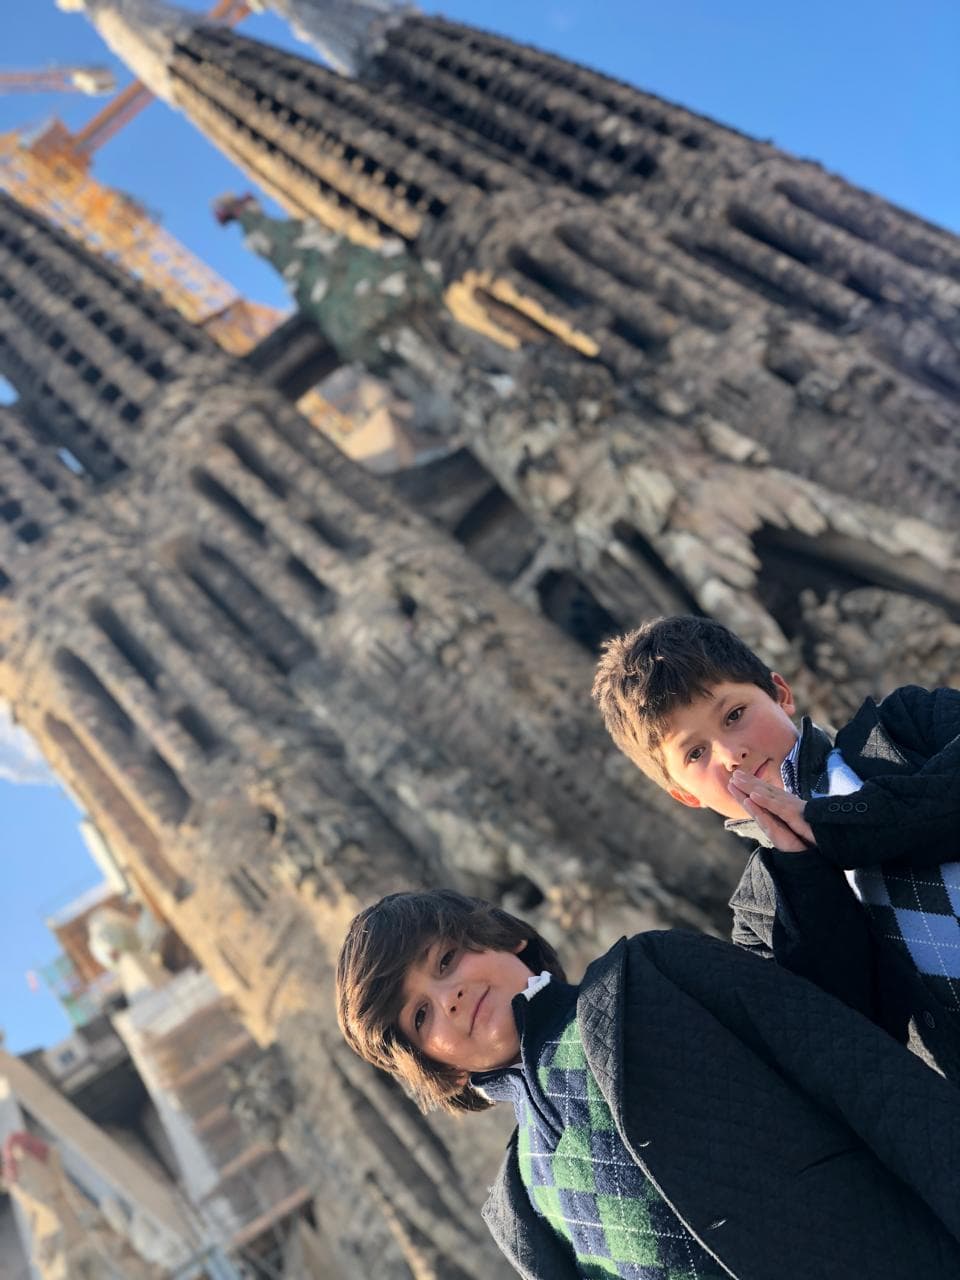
778 814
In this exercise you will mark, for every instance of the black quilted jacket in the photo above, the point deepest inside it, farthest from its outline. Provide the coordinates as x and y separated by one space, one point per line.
795 1139
799 909
907 751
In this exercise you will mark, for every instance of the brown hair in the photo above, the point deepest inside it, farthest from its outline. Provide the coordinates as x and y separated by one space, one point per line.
382 943
645 675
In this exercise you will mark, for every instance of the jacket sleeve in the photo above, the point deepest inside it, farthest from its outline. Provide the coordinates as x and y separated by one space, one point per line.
911 814
908 1115
798 910
921 721
531 1247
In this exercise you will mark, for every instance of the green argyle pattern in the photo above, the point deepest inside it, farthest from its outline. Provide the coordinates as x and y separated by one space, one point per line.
585 1183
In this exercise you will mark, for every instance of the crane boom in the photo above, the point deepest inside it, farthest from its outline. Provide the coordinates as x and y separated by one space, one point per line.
50 173
94 80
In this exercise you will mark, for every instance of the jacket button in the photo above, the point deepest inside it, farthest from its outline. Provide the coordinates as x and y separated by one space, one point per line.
861 806
718 1222
834 808
846 807
929 1019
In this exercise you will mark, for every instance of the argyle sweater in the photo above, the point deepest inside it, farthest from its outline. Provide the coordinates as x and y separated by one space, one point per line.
578 1173
918 909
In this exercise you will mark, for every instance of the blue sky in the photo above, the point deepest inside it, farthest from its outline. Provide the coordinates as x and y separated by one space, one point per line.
870 89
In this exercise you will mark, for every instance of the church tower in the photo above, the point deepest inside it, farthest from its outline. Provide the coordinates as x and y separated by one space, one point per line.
720 274
741 308
281 694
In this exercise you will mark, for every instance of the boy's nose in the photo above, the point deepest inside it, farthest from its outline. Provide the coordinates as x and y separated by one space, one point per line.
735 756
455 1000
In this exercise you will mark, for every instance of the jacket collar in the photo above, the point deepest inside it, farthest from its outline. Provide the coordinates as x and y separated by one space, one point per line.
600 1014
865 741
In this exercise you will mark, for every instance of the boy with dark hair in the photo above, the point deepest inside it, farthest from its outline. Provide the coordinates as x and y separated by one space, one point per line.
685 1113
878 811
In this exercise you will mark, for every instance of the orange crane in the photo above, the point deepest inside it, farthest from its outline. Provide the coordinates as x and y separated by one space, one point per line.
50 172
89 80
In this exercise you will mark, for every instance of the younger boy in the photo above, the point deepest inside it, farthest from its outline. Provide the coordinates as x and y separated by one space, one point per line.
684 1114
700 713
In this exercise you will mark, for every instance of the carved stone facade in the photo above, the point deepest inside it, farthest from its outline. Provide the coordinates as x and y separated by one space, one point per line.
691 372
644 502
758 361
282 693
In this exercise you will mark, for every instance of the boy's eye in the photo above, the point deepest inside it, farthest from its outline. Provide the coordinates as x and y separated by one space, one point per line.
735 715
418 1018
694 755
446 959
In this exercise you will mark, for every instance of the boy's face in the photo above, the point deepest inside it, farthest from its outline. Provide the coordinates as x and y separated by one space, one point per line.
737 727
456 1006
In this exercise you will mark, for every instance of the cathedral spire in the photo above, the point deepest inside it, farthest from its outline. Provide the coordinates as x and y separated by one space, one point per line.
141 33
348 33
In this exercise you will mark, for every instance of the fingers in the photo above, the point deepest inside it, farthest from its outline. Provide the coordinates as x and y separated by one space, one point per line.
777 812
789 808
779 834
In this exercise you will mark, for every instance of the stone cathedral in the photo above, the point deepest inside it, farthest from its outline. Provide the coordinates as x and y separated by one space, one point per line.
667 367
700 374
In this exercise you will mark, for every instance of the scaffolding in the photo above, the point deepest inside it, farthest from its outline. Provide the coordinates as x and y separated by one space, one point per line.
49 171
89 80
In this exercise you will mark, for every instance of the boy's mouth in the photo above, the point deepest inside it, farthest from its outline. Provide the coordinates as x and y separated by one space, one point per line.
477 1009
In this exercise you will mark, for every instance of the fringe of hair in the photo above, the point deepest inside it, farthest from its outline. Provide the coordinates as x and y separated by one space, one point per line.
382 943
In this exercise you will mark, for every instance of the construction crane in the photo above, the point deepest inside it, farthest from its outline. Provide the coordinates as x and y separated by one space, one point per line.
49 171
93 81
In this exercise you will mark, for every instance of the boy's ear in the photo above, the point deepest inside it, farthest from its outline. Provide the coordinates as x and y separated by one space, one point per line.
685 798
784 694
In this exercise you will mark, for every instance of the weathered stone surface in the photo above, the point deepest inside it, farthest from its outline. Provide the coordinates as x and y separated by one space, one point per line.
726 303
654 501
282 693
702 375
867 639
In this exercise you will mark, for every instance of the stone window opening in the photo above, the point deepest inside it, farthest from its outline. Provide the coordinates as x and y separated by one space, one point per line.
199 729
100 792
251 614
80 677
407 605
667 591
331 536
749 223
547 278
722 260
321 596
793 562
158 783
232 507
634 334
249 457
573 607
126 644
30 532
70 461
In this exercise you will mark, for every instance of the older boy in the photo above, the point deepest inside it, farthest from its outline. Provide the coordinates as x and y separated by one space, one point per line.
700 713
684 1114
